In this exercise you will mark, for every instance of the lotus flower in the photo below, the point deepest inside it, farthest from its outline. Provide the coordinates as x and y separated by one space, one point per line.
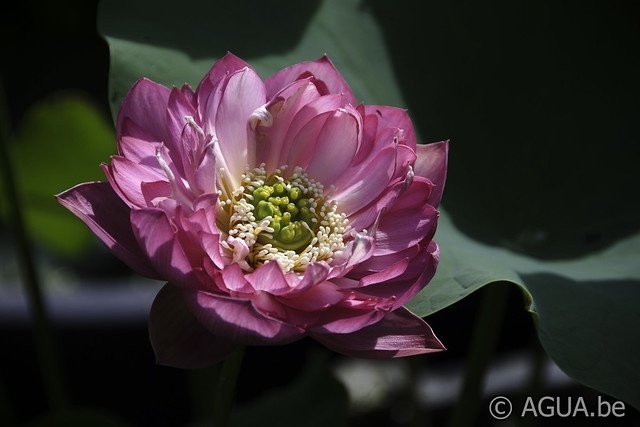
274 210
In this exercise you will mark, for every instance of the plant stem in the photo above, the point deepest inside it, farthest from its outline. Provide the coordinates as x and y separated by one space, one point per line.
483 344
45 345
226 387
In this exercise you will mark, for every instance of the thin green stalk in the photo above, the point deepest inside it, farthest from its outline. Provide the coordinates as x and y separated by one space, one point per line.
483 344
226 387
45 345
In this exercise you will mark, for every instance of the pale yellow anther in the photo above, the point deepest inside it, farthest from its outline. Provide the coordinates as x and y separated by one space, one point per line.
285 220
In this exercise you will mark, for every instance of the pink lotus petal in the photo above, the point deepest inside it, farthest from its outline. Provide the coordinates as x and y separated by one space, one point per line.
243 93
189 94
223 67
146 106
389 273
179 107
235 281
399 334
129 176
350 316
305 128
367 183
318 106
419 270
365 218
154 193
400 229
335 146
271 142
178 338
139 151
301 151
269 278
395 118
157 238
98 206
356 251
209 91
432 164
378 262
316 298
237 320
205 174
211 246
322 69
314 274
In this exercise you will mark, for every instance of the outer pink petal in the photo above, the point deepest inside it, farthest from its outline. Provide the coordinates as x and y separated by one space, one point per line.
237 320
432 164
145 105
235 280
366 217
381 262
305 127
129 176
316 298
270 141
414 278
398 231
367 183
179 106
99 207
243 93
393 117
322 69
155 193
314 274
224 66
178 338
349 317
388 138
269 278
138 150
389 273
400 333
302 144
208 92
158 239
211 246
316 107
205 175
335 146
355 252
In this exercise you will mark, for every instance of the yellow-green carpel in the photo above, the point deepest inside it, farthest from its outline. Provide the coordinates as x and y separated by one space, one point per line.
290 216
290 221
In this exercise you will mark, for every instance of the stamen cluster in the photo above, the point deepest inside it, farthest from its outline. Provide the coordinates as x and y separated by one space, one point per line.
289 221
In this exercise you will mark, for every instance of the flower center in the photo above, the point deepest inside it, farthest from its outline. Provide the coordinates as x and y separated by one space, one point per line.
289 221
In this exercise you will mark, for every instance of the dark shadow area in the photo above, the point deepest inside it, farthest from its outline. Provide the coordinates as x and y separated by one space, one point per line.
250 23
540 103
111 368
49 47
